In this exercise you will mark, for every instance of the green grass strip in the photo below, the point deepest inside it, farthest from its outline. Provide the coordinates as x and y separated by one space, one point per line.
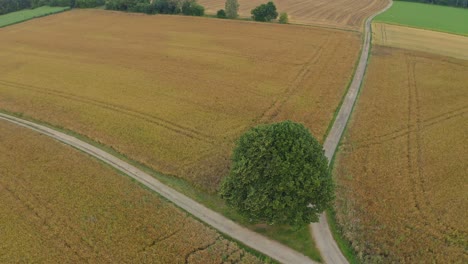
433 17
27 14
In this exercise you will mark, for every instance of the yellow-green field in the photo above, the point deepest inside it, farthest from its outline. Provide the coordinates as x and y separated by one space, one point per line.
172 92
455 46
401 169
59 206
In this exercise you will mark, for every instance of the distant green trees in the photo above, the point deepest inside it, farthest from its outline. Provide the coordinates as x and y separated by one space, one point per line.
221 13
231 8
264 12
186 7
87 3
8 6
455 3
283 19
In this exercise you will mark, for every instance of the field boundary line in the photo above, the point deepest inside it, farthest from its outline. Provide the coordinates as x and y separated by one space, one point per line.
258 242
321 232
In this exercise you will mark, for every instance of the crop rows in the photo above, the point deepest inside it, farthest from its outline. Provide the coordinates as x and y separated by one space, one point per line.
168 92
401 169
445 44
346 14
65 207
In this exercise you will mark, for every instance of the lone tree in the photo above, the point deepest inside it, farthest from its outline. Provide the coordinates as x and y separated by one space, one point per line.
264 12
279 175
231 7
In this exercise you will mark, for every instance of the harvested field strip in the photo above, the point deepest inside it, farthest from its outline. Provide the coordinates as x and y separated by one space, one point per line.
66 207
420 40
169 92
346 14
27 14
400 171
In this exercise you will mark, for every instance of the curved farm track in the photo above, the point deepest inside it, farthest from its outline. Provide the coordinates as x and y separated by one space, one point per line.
325 242
321 231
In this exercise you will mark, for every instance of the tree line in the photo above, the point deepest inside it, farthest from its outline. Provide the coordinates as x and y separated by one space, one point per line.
8 6
185 7
454 3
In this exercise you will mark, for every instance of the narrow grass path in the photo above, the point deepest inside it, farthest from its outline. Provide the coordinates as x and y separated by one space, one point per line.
271 248
321 232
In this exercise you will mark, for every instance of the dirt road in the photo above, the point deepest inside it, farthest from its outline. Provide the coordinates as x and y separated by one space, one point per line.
256 241
321 231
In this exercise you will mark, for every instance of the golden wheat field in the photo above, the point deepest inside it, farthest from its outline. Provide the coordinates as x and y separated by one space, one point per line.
401 170
172 92
445 44
59 206
346 14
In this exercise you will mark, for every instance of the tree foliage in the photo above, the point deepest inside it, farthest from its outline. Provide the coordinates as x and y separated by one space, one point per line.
264 12
221 13
279 175
231 8
87 3
455 3
192 8
186 7
283 19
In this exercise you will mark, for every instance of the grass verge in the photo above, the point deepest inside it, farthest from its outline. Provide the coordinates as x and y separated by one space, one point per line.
27 14
299 239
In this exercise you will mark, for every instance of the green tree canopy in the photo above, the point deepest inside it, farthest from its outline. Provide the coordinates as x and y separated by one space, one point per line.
231 8
264 12
279 175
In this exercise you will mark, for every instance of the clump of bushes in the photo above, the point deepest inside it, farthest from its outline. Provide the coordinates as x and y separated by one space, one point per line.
186 7
87 3
264 12
283 19
221 13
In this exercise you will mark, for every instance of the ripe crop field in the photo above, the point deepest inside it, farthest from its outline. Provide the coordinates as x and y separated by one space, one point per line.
445 44
347 14
23 15
59 206
401 170
434 17
172 92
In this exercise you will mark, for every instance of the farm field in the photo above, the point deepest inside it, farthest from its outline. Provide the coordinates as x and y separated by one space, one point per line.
23 15
445 44
64 207
170 93
346 14
434 17
401 168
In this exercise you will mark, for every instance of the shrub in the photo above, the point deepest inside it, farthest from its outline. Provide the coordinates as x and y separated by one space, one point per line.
279 175
283 19
192 8
231 7
87 3
221 14
264 12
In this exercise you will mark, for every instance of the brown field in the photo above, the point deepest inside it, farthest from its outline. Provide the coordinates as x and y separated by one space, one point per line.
172 92
347 14
401 171
445 44
59 206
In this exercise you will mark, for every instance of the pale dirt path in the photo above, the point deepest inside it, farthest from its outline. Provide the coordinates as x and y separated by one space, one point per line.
256 241
321 231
